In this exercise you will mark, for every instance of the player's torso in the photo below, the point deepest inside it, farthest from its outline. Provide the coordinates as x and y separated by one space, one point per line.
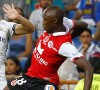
3 39
46 60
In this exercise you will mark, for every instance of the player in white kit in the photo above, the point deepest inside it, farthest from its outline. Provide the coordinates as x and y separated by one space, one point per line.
7 30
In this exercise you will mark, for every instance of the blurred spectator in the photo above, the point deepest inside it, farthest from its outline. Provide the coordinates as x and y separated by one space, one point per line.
88 48
20 46
67 71
90 12
37 19
71 7
34 5
17 3
13 66
59 4
87 12
95 62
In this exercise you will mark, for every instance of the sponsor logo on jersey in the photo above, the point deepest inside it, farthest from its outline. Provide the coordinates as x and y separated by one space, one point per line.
51 45
39 58
49 87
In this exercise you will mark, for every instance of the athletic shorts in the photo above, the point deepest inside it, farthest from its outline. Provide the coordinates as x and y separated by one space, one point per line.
25 82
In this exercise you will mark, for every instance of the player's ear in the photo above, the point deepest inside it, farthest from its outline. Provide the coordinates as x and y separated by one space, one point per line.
55 20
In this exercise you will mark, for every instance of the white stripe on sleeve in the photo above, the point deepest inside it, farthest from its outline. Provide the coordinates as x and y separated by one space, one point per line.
69 51
68 22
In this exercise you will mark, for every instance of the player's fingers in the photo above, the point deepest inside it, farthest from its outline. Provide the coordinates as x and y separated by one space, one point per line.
12 6
5 10
5 6
9 7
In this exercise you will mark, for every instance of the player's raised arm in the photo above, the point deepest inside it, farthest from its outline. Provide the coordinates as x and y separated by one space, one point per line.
75 26
69 51
25 25
85 65
78 28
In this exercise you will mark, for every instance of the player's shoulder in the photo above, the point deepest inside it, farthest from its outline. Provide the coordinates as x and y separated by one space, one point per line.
66 20
4 25
3 22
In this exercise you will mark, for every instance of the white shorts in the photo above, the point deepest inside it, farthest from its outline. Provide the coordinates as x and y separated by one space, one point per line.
3 81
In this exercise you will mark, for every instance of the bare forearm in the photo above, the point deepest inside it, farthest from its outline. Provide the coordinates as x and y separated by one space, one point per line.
79 28
88 79
86 66
26 23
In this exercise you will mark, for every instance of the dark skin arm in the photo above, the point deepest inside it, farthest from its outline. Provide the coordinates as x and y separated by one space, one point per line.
78 28
86 66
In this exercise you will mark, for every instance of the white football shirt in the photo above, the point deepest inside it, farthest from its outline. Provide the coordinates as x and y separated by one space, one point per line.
5 34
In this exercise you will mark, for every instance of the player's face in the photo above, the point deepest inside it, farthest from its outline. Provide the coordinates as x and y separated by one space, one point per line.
45 3
11 67
85 38
48 23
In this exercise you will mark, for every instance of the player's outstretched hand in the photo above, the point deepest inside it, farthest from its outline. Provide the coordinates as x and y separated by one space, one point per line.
10 11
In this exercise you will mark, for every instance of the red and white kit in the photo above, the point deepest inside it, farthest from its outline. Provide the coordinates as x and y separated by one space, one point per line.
50 52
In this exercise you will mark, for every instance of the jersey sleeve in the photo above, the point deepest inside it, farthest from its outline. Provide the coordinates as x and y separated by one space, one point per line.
68 22
11 28
69 51
8 27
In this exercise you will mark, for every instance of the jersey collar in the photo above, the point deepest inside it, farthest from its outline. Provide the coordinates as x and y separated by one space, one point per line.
61 33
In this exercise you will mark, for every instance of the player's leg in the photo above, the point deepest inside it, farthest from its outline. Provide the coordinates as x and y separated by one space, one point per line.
3 81
40 84
25 82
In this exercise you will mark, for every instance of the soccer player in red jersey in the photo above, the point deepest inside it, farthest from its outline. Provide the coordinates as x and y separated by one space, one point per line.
52 48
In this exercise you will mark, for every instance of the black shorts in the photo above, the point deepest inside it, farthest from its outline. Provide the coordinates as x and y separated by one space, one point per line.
25 82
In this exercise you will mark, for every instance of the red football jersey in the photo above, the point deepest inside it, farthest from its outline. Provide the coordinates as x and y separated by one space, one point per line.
49 54
45 59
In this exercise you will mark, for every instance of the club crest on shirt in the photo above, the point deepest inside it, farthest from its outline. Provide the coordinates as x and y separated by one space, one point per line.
49 87
51 45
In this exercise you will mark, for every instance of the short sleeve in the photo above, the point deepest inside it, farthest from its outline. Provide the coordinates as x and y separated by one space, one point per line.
8 27
69 51
68 22
11 28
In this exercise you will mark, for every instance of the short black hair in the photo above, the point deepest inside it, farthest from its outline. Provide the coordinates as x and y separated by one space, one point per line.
87 30
57 11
